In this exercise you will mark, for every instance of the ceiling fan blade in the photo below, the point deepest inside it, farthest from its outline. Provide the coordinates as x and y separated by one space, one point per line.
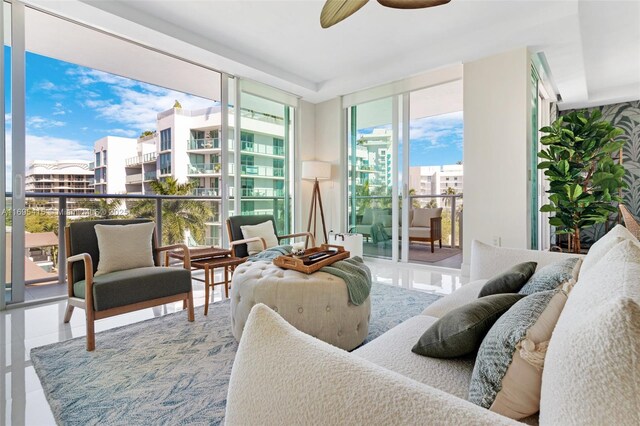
335 11
412 4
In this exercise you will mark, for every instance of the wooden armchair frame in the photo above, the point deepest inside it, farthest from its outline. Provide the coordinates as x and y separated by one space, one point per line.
234 244
87 303
436 233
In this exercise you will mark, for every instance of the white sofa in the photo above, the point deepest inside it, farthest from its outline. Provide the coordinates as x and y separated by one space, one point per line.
281 376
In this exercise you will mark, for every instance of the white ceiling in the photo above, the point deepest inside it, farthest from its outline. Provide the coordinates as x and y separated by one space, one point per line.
592 47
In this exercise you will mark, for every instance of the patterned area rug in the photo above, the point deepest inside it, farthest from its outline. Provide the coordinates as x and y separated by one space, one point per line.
166 370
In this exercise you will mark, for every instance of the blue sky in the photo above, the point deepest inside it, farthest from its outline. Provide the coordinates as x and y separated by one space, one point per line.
433 141
69 107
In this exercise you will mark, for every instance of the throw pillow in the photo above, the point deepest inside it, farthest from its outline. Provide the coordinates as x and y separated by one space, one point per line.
461 331
124 247
552 276
422 217
263 230
600 248
507 376
592 370
510 281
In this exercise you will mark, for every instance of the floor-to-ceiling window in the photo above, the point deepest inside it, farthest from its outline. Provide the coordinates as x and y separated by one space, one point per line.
405 174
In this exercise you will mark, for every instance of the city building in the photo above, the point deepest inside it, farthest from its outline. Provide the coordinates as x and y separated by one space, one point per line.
186 146
61 177
437 180
373 159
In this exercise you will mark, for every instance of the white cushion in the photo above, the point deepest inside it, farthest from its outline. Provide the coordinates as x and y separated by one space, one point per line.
603 245
124 247
422 217
591 368
488 261
460 297
263 230
282 376
392 350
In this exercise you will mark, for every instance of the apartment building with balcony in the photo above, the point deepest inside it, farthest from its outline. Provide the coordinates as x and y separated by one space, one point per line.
437 180
373 159
186 145
64 176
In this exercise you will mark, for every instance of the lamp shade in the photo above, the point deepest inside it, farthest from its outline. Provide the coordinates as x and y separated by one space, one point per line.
316 170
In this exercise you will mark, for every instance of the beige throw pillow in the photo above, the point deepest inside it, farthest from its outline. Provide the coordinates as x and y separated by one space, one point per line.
600 248
263 230
422 217
124 247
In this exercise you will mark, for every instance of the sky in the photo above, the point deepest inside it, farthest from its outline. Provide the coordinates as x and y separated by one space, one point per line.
433 141
69 107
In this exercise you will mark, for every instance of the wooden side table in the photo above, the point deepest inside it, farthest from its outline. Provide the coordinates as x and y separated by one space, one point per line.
210 265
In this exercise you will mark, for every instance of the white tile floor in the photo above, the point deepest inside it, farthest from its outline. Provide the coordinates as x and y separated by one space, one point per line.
22 400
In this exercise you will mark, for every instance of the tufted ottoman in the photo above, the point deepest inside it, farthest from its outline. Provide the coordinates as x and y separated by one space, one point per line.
317 304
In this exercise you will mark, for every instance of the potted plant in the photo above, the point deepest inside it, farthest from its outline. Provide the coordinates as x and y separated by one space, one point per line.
585 182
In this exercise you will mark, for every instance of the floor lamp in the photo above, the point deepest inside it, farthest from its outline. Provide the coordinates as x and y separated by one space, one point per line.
316 171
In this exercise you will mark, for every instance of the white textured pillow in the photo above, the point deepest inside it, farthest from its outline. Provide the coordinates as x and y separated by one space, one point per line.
124 247
422 217
281 376
263 230
603 245
591 368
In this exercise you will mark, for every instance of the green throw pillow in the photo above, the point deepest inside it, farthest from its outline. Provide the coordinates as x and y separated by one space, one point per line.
510 281
460 332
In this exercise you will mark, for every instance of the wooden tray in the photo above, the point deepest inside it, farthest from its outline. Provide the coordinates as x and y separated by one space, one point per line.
296 263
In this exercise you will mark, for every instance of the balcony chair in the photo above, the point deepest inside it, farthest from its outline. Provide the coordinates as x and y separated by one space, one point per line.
237 241
426 226
119 292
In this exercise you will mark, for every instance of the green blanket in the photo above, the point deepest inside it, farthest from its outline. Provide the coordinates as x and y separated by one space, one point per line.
354 272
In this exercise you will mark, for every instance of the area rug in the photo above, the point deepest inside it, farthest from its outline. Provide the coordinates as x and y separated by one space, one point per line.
166 370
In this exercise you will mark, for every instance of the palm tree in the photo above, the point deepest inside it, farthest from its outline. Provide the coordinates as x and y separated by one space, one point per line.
178 216
450 191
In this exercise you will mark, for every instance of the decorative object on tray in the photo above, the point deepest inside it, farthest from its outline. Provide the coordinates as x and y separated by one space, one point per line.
313 259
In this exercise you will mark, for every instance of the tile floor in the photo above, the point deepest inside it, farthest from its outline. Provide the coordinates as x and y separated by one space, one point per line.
22 400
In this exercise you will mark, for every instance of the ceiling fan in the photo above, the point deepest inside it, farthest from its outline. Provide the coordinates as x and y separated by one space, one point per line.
335 11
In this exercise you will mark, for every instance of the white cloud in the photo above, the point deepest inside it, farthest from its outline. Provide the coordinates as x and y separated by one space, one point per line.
45 85
123 132
50 148
37 122
438 131
59 109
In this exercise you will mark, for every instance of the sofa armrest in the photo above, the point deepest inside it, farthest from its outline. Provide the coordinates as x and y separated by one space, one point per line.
461 296
283 376
88 276
183 247
308 235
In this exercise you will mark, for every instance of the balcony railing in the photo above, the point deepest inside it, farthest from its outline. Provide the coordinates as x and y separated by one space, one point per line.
262 192
133 179
266 171
150 175
204 168
450 202
205 192
262 149
139 159
206 143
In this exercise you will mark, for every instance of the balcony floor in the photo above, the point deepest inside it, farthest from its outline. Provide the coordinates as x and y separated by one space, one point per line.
445 257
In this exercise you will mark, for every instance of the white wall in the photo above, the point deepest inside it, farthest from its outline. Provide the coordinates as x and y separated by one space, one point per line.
496 132
329 145
305 150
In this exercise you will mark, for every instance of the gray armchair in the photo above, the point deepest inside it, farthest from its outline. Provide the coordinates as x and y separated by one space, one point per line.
119 292
237 241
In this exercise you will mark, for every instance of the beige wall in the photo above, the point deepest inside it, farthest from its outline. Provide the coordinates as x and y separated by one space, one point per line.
305 150
329 145
496 129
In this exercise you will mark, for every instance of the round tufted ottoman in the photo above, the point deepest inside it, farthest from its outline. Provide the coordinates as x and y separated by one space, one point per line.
317 304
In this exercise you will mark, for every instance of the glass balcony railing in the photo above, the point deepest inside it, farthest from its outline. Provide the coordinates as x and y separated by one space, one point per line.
266 171
132 179
262 149
205 143
204 168
139 159
150 175
205 192
262 192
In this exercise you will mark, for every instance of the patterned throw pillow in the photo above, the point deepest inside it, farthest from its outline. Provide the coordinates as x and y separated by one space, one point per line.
552 276
507 376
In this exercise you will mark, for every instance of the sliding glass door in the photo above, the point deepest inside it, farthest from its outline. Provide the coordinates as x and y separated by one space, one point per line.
370 177
405 175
